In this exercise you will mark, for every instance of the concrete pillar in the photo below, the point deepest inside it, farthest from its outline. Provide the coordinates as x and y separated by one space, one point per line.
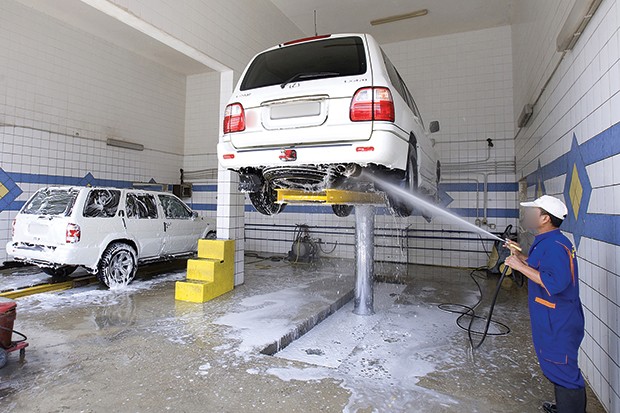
230 202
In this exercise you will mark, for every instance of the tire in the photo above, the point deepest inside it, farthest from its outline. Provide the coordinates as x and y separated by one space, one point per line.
265 201
410 183
342 210
118 265
4 356
60 272
211 235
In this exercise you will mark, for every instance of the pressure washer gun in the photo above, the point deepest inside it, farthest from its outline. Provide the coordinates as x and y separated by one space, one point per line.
507 250
500 252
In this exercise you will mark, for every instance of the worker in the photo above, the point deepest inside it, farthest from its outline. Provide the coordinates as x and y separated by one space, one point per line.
556 313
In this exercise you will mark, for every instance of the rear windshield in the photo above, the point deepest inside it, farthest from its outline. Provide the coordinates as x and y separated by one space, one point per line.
342 56
51 201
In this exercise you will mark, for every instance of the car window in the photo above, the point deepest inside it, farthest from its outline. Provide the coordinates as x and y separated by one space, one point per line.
410 100
394 77
174 208
101 203
141 206
400 86
51 201
341 56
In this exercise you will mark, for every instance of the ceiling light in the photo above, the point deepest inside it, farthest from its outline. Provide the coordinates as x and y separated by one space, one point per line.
576 22
398 17
124 144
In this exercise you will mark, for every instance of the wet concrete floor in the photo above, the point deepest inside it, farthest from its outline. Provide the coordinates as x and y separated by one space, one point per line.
138 350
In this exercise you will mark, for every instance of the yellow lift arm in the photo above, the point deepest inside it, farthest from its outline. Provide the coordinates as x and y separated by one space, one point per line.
329 197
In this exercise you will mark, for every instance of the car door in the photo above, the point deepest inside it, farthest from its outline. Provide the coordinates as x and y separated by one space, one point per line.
144 223
179 224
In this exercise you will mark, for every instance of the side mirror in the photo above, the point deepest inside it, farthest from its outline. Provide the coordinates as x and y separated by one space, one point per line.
194 214
434 126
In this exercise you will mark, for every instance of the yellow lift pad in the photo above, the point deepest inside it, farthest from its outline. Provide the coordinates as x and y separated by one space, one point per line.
329 197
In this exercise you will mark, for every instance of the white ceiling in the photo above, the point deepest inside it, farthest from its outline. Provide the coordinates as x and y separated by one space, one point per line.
90 20
354 16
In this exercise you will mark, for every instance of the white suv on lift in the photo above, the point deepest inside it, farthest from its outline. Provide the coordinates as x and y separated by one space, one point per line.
312 113
106 230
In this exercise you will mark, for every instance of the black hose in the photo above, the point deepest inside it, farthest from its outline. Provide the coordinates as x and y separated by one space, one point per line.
470 311
261 258
490 316
15 332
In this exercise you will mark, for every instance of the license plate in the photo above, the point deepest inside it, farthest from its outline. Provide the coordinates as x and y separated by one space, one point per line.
295 110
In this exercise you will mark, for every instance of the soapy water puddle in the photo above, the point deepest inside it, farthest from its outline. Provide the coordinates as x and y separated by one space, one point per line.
91 295
379 359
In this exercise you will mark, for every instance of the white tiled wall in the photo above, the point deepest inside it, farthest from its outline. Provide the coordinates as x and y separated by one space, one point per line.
464 81
63 92
582 99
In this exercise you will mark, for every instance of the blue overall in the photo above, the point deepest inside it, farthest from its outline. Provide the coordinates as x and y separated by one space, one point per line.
555 309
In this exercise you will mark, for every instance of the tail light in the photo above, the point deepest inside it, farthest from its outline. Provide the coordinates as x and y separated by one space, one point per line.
73 233
372 103
234 118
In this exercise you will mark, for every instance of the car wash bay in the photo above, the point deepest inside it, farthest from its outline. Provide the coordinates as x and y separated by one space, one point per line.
120 93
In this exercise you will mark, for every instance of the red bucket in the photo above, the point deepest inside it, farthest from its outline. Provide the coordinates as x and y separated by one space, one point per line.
7 318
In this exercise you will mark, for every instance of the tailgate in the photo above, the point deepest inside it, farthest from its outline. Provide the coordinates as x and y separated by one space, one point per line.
293 119
40 230
300 94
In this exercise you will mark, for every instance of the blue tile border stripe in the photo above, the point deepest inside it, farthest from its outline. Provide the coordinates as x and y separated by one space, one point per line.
44 179
601 227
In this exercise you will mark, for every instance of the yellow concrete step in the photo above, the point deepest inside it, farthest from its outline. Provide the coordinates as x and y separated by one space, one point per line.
202 269
199 291
211 275
216 249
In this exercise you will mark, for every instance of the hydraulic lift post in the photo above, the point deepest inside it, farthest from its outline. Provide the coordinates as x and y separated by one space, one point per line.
364 259
365 211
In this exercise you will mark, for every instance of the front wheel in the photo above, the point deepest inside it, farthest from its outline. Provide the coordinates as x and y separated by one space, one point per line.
60 272
118 265
265 200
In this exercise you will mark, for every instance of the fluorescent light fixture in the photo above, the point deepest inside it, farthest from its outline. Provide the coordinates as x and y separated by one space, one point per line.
124 144
575 23
524 117
398 17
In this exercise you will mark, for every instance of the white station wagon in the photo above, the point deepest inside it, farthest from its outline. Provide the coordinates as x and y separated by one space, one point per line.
108 231
313 113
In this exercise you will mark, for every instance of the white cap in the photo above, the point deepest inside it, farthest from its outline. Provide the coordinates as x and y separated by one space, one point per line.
550 204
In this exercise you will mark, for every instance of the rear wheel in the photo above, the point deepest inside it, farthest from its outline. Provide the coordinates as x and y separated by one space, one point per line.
400 206
342 210
265 200
4 356
60 272
118 265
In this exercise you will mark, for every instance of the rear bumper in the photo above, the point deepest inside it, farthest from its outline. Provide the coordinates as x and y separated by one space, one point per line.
53 256
389 150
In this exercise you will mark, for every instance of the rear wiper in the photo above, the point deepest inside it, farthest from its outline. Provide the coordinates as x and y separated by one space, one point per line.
309 75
